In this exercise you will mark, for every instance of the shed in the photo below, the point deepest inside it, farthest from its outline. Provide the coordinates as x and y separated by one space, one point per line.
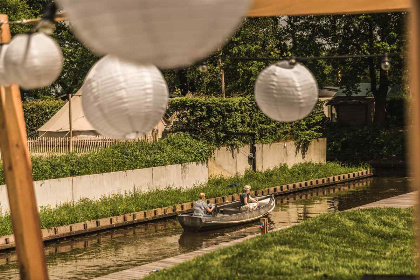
357 108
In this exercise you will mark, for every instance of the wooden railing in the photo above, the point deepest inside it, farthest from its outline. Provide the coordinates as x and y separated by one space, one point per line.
61 145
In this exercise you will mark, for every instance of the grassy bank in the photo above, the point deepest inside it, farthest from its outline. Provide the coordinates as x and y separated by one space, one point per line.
86 210
175 149
342 245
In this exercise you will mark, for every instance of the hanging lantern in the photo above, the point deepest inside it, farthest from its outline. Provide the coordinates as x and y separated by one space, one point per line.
123 100
166 33
3 77
33 60
286 91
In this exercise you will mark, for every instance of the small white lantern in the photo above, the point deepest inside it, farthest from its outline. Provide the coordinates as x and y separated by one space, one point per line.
286 91
33 60
3 73
166 33
123 100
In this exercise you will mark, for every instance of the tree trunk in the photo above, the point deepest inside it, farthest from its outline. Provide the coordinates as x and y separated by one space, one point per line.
380 98
183 81
380 111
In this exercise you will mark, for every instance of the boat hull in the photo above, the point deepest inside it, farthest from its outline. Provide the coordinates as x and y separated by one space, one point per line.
197 223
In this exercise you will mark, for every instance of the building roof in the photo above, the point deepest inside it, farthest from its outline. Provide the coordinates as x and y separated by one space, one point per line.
351 100
327 92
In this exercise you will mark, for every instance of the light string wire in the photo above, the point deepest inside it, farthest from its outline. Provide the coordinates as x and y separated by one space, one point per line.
51 16
309 58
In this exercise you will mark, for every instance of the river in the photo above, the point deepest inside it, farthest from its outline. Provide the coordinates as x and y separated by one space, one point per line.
118 249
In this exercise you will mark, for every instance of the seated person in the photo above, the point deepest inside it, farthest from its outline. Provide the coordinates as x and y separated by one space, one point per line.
247 202
202 208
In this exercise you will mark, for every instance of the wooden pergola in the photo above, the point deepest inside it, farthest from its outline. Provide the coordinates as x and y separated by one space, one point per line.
13 138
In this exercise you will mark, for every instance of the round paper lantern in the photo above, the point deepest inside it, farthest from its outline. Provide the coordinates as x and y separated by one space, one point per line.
3 77
123 100
286 92
165 33
33 60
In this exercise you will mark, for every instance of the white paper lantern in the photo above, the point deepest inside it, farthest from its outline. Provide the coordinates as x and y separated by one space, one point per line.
3 73
166 33
124 100
286 92
33 60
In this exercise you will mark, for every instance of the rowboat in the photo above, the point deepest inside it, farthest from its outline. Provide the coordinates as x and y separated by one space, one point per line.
229 214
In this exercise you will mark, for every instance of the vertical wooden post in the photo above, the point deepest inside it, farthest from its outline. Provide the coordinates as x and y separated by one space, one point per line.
19 181
264 225
222 72
414 113
70 127
223 83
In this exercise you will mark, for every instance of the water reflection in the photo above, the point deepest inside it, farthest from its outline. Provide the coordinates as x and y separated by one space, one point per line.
107 252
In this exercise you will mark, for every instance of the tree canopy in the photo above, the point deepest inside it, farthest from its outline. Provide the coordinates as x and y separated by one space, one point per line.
303 36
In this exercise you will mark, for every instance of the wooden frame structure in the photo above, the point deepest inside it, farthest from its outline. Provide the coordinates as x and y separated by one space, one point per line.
16 160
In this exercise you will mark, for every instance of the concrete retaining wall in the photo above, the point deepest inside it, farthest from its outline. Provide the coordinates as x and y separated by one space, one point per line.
58 191
225 162
230 162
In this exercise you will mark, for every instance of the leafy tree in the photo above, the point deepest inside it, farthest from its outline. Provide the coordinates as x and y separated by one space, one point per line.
77 58
369 34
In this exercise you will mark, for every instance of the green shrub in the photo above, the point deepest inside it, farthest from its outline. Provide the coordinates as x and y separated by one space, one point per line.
363 144
212 120
175 149
86 209
39 112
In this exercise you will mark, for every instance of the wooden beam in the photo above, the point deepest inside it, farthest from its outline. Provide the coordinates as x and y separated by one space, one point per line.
317 7
413 114
18 174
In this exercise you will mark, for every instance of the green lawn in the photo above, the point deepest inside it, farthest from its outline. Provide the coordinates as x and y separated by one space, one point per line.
86 210
340 245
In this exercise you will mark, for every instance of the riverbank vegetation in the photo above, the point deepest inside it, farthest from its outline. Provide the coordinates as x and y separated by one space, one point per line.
339 245
86 209
174 149
364 144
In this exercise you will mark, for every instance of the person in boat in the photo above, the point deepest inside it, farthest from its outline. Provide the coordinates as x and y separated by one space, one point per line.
248 202
202 208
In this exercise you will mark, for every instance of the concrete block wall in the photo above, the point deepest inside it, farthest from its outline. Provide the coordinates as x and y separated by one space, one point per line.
230 162
58 191
225 162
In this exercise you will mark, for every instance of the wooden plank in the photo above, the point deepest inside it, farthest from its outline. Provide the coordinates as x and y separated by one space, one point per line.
318 7
19 181
413 115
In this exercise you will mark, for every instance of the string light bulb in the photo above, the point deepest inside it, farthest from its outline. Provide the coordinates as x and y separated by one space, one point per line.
203 68
385 64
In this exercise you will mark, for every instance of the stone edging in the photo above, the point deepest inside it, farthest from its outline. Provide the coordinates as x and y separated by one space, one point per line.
8 241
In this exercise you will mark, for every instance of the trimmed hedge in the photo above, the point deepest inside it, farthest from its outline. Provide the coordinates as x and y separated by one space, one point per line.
175 149
211 119
39 112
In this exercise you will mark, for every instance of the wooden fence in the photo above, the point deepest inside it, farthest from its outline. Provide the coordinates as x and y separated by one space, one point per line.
55 145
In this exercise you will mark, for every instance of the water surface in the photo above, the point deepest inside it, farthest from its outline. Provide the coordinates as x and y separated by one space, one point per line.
103 253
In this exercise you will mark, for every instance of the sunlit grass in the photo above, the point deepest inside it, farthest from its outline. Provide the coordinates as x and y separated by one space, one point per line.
340 245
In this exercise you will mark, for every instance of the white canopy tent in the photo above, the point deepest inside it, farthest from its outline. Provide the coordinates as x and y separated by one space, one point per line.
59 124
